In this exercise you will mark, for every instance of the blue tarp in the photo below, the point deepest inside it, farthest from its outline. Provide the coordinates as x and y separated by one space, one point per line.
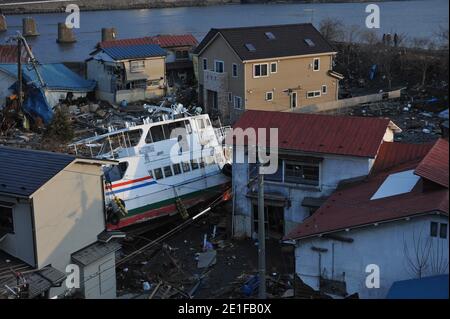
56 77
434 287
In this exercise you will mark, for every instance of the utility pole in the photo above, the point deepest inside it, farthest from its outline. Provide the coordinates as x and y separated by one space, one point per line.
261 236
19 73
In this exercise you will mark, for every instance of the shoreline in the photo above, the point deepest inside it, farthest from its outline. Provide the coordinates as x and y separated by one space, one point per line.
105 5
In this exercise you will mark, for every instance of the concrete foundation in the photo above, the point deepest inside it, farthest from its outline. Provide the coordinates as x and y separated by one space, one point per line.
29 28
65 34
3 25
109 34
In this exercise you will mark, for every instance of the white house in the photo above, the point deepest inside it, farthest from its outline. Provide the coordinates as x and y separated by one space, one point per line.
393 226
52 216
316 152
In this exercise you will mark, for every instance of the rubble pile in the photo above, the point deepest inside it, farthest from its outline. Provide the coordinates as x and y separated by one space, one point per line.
421 121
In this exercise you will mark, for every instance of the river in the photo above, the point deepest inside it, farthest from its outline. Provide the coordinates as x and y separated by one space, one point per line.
420 18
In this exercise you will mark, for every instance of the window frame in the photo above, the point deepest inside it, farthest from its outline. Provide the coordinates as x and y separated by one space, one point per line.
260 70
230 97
220 62
233 70
314 64
155 173
237 98
312 184
139 68
276 67
271 94
324 86
164 171
205 64
443 226
315 95
178 169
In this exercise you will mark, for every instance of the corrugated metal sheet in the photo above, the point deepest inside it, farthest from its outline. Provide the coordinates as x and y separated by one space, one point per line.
434 166
393 154
8 54
134 51
164 41
56 77
25 171
316 133
352 207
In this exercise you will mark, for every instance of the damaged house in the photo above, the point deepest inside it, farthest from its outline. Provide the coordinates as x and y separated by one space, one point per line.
315 154
44 87
52 220
179 48
391 226
128 72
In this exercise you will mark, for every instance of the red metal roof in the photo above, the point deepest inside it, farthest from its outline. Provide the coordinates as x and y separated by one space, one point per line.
164 41
393 154
352 207
317 133
434 166
8 54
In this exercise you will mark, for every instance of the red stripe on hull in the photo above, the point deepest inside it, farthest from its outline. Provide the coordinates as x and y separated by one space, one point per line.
131 182
154 213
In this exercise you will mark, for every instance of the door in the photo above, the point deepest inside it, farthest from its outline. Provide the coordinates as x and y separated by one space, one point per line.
212 100
293 100
274 221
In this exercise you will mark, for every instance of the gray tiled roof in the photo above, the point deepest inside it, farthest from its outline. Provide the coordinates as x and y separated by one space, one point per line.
23 171
289 40
94 252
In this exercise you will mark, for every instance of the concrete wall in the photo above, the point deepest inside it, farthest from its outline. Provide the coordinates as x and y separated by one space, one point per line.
333 169
68 215
98 280
21 243
382 245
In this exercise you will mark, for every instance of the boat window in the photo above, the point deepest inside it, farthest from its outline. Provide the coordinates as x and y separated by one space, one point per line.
202 162
133 137
194 164
186 167
208 122
179 126
158 173
176 169
157 133
200 124
115 172
168 171
150 173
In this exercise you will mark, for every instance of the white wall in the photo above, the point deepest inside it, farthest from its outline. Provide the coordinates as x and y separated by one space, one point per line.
382 245
99 278
333 170
21 243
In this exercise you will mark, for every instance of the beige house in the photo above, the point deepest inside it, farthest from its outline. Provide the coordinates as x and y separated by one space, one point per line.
128 72
52 216
272 68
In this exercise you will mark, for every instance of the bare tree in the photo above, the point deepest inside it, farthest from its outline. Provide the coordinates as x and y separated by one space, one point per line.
423 53
332 29
423 256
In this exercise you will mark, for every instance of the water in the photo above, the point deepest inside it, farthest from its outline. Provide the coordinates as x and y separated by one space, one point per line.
418 18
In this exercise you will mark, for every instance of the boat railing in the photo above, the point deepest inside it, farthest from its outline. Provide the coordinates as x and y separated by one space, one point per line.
221 132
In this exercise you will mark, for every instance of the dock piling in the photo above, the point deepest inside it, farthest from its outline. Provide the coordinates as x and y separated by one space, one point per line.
3 25
109 34
65 34
29 28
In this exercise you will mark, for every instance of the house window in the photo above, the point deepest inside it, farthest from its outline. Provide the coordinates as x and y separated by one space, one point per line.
176 169
324 89
230 97
235 70
301 173
6 218
312 94
273 67
260 70
434 229
181 55
443 231
205 64
218 66
137 66
237 103
158 173
168 171
269 96
293 100
316 64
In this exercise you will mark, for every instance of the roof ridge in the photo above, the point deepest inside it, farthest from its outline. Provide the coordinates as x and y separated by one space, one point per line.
263 26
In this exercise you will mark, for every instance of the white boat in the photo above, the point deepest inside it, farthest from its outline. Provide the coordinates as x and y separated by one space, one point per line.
166 165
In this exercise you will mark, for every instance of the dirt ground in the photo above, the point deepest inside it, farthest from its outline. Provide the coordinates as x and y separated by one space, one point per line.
175 264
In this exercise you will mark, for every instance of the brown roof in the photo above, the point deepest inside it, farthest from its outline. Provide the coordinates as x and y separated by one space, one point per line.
288 40
318 133
352 207
394 154
434 166
8 54
163 40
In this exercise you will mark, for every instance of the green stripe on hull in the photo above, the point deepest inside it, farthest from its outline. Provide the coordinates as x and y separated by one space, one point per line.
146 208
